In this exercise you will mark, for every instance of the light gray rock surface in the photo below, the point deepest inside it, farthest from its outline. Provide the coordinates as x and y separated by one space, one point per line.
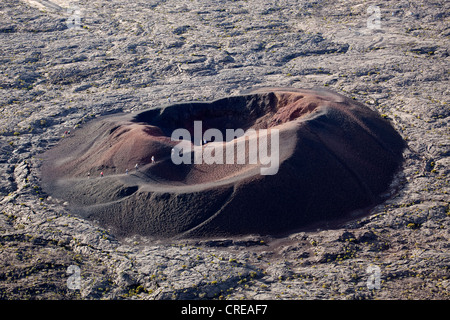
128 56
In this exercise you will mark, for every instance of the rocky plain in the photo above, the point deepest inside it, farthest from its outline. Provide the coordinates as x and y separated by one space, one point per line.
64 63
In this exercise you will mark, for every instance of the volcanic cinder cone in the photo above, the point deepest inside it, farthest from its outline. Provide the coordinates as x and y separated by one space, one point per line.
336 158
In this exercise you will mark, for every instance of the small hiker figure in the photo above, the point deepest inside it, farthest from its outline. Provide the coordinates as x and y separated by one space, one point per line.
180 153
101 174
153 159
126 171
136 167
89 175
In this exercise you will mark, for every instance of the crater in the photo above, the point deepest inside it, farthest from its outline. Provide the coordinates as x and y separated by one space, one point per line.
332 157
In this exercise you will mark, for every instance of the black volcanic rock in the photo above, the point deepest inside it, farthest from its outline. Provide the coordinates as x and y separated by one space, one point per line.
126 58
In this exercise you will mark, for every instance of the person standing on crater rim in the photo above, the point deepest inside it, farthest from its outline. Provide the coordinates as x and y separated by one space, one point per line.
136 167
153 159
